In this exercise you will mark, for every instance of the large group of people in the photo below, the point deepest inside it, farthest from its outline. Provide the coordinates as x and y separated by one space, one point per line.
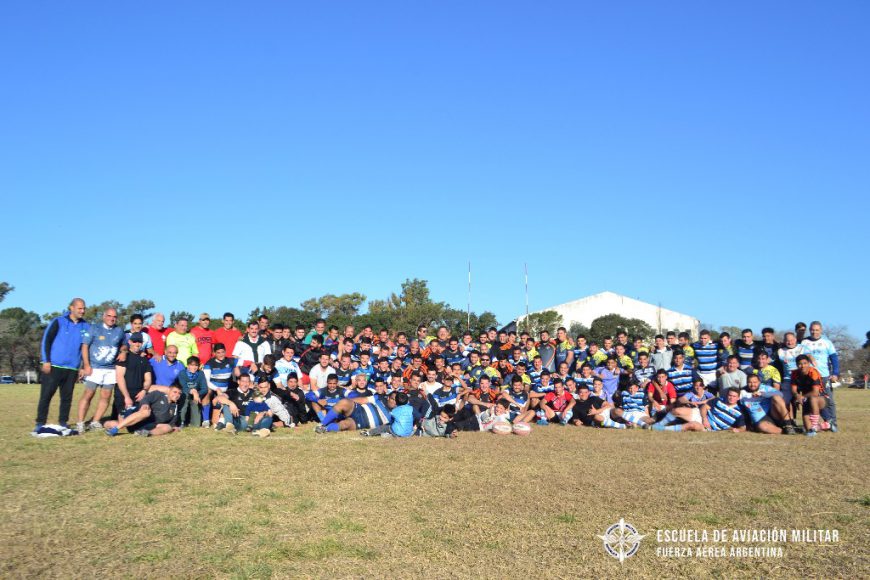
154 380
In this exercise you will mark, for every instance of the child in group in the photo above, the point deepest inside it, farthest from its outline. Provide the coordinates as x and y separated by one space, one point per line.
196 397
403 418
437 426
466 420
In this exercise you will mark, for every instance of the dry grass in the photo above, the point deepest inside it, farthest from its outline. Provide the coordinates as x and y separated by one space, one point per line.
203 504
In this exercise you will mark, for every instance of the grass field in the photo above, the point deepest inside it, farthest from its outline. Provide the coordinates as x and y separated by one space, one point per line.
205 504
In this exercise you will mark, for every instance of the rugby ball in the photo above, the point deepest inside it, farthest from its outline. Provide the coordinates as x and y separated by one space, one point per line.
522 428
502 428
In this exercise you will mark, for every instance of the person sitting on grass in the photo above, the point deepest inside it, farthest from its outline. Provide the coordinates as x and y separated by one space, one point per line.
155 414
195 395
662 394
360 410
717 415
808 387
558 404
436 426
403 418
232 405
590 410
519 401
633 407
322 400
698 396
278 414
765 408
467 420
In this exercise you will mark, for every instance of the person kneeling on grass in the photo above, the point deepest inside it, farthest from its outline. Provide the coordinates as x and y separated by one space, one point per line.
716 415
765 408
403 418
155 414
232 405
467 420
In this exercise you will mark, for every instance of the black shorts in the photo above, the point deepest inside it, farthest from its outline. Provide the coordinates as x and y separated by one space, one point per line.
147 424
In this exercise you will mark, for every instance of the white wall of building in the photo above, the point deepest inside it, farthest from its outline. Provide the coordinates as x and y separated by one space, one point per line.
588 309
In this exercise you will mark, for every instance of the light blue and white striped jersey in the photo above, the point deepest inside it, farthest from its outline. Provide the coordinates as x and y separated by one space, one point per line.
722 417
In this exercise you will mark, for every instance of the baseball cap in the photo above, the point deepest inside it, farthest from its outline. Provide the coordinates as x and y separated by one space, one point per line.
204 316
136 337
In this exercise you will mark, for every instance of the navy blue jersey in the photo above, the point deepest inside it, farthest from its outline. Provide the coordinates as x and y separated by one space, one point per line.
332 397
344 377
446 396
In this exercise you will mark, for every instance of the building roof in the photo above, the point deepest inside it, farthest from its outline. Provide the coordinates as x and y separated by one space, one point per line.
613 297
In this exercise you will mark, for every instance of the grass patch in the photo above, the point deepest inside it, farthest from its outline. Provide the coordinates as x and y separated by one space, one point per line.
709 519
343 525
476 505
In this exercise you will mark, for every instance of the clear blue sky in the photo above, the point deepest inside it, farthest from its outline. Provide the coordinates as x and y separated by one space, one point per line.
714 157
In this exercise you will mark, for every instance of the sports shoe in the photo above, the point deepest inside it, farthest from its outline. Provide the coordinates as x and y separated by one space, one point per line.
833 428
811 433
262 433
112 431
824 426
320 429
142 433
80 427
206 424
230 428
220 426
789 429
657 427
543 422
364 432
95 426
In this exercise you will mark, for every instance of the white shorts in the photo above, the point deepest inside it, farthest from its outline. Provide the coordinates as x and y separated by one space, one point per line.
696 416
708 378
632 416
104 378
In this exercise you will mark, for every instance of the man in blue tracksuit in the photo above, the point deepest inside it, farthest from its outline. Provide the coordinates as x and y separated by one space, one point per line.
63 345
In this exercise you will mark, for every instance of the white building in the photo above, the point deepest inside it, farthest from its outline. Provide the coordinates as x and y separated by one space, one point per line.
585 310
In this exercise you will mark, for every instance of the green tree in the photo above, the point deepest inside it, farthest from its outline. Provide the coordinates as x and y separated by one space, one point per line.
175 315
578 328
330 305
410 308
20 337
537 322
5 289
611 324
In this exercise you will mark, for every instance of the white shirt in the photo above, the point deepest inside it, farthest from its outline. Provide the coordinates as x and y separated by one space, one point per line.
431 387
318 376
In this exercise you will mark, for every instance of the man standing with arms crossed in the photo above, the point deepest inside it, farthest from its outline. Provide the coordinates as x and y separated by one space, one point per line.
62 353
101 350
